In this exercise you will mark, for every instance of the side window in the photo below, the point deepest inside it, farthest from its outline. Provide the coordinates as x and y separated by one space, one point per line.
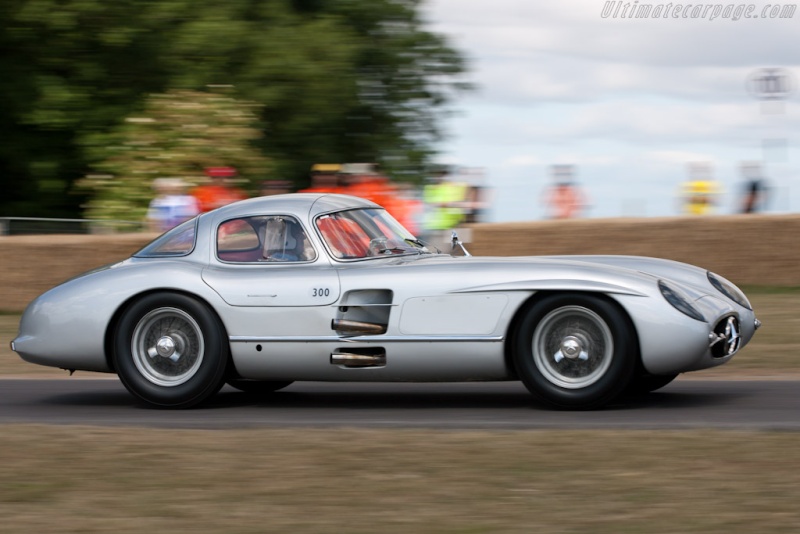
176 242
264 239
236 236
285 240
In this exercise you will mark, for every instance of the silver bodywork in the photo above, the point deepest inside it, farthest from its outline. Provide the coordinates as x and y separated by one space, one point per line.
442 317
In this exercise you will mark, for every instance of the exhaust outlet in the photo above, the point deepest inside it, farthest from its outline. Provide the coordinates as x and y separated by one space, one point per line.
349 359
357 327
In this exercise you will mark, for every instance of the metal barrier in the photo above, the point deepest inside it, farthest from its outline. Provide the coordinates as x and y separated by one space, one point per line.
42 225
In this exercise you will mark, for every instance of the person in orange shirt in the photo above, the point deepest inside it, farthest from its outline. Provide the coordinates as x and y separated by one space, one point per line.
275 187
564 198
362 180
406 208
220 191
324 179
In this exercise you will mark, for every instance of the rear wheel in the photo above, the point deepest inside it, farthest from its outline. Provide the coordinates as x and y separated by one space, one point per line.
170 350
574 350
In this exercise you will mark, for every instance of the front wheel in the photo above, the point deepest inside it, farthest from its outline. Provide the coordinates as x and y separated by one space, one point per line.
170 350
574 350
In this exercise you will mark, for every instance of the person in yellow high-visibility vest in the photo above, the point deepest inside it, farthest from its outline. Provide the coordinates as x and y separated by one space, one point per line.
699 197
701 192
444 209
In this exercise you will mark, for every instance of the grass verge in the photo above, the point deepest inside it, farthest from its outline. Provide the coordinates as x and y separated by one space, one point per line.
83 479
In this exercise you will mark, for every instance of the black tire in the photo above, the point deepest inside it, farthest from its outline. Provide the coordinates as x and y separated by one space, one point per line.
257 387
644 384
574 350
170 350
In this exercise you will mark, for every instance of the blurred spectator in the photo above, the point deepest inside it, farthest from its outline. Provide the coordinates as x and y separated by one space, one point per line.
409 207
363 180
700 193
564 199
444 201
755 188
220 191
324 179
171 205
475 205
476 200
275 187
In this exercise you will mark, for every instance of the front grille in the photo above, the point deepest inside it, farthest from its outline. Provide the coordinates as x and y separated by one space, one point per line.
728 338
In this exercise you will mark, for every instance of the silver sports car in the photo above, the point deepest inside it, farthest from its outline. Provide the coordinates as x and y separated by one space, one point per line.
272 290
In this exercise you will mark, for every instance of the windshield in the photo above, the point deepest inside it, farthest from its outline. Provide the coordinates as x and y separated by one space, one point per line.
366 233
176 242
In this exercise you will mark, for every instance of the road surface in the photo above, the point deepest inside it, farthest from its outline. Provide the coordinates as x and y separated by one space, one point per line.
684 404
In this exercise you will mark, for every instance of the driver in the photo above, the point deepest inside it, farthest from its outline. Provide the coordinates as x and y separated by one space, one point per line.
285 240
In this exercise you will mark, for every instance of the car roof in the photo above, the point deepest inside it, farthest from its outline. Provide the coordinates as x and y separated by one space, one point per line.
299 204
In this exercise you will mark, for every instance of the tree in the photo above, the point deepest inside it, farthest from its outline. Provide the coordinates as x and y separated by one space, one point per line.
72 71
337 81
178 135
351 80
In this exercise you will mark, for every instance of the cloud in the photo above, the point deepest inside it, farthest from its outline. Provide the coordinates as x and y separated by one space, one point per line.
624 99
566 50
521 160
576 27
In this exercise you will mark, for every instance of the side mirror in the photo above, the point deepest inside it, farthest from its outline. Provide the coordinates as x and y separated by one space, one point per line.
456 243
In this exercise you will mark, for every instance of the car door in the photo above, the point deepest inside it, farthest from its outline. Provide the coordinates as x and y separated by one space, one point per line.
268 261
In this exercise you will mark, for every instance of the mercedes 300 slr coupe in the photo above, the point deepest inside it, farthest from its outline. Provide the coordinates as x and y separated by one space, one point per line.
320 287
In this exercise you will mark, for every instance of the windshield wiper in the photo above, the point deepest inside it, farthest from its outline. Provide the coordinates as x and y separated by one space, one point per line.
399 250
420 244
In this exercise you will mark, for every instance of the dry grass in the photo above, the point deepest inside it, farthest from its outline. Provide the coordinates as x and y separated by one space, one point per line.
776 344
73 479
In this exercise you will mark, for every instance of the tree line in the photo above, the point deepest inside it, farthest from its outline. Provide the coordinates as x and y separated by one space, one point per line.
96 93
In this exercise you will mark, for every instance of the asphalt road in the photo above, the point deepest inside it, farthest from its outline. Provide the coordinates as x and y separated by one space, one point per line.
684 404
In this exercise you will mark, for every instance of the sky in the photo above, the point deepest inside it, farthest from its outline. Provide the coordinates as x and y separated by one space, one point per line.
630 101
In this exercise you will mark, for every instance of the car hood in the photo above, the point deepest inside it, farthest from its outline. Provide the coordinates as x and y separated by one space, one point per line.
653 266
662 268
622 274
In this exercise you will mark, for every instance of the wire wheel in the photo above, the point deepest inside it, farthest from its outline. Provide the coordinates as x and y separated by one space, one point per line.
167 347
572 347
170 350
574 350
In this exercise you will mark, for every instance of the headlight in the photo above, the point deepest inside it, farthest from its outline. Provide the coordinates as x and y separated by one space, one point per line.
729 290
679 301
